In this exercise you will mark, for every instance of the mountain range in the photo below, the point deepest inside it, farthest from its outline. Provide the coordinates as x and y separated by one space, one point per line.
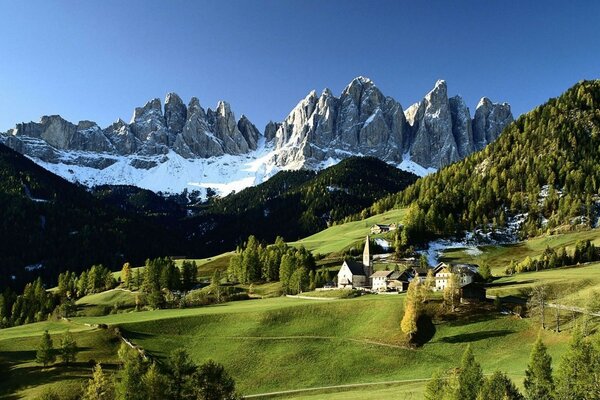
179 147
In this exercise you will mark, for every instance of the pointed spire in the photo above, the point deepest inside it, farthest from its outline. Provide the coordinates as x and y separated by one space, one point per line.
367 253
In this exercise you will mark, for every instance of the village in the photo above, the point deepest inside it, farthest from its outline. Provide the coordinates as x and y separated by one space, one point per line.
465 278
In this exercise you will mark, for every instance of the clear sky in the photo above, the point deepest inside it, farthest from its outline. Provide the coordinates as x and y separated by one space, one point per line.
99 59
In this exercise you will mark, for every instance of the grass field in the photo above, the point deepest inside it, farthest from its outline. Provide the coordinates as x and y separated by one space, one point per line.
499 257
340 237
268 346
26 379
283 343
576 282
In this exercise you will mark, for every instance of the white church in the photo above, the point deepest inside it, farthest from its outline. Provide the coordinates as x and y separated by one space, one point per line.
353 274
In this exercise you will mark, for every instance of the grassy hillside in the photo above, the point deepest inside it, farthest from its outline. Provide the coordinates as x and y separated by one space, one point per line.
340 237
577 282
28 379
283 343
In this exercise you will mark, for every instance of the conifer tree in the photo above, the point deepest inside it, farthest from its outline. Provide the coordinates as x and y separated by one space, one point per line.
100 387
539 383
576 372
180 370
68 348
470 377
436 386
155 384
45 352
499 387
212 382
129 385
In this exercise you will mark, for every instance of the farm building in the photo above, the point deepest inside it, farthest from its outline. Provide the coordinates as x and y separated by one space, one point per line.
382 228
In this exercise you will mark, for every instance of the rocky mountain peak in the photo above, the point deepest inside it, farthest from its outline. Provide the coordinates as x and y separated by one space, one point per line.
175 112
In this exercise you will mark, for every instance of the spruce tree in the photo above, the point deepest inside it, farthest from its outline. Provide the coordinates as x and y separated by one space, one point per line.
212 382
68 348
180 370
470 377
100 387
576 372
539 383
435 387
45 352
129 385
155 384
499 387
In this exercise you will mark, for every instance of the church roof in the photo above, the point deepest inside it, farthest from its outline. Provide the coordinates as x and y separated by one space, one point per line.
355 267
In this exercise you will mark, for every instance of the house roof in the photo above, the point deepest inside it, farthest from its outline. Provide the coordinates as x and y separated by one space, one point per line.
355 267
400 276
382 274
420 271
464 269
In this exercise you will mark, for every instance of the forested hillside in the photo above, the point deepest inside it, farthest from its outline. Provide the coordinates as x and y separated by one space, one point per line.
294 204
544 164
49 225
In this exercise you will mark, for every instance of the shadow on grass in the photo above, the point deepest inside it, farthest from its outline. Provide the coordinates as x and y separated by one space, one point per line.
475 336
425 330
514 283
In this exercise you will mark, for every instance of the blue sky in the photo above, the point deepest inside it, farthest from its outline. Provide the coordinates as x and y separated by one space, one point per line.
99 59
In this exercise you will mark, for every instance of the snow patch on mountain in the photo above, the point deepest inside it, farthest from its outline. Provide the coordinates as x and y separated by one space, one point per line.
173 173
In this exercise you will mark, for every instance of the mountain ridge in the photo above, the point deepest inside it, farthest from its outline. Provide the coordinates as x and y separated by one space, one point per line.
319 131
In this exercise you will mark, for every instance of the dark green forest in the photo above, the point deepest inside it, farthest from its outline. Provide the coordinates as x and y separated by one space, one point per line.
46 221
295 204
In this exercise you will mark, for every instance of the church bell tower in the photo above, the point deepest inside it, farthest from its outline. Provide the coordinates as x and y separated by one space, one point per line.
367 260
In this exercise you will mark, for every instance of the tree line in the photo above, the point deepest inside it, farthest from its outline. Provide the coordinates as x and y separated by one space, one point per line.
295 268
585 251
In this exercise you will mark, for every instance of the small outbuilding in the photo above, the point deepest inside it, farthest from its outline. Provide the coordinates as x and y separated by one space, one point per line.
472 292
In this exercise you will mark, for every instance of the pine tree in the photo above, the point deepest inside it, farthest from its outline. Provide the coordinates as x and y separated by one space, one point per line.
68 348
45 352
129 385
436 386
155 384
212 382
470 377
100 387
499 387
576 372
180 370
538 375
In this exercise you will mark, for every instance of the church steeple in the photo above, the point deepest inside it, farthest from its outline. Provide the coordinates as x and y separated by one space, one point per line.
367 261
367 254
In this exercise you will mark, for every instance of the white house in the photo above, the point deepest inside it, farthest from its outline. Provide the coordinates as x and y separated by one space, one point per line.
379 280
445 272
353 274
